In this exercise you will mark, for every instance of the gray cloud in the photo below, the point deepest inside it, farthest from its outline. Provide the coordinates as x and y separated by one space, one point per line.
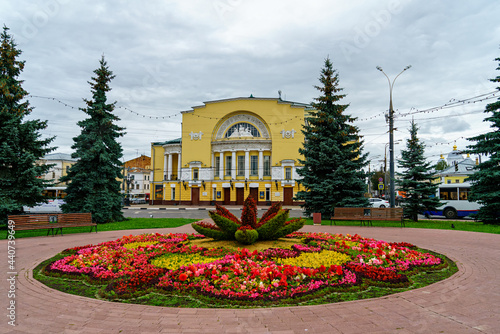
169 56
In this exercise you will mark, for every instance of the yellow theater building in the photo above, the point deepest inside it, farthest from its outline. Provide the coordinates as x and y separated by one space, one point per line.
230 149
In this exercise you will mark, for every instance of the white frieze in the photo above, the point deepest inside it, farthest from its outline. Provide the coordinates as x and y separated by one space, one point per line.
287 134
277 173
196 135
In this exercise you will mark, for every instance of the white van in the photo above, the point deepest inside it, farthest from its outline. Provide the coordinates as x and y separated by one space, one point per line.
52 206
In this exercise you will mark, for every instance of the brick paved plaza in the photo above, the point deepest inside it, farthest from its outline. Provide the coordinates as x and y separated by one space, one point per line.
468 302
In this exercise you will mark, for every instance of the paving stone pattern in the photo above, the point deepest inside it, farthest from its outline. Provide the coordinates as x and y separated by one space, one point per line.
468 302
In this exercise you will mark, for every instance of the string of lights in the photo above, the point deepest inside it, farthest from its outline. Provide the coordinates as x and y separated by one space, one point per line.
451 104
118 107
147 116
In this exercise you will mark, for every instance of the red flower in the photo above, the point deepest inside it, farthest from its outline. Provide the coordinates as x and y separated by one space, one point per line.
183 277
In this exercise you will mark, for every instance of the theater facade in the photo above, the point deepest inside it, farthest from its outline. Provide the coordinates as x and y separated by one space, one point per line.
230 149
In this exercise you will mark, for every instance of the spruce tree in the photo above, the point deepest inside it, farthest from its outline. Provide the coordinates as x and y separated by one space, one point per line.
486 178
20 141
332 171
94 186
416 178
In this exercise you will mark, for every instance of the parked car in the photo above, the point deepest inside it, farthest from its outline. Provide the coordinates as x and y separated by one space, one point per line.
138 200
379 203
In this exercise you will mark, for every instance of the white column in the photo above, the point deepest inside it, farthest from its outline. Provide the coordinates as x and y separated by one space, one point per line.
212 165
221 165
247 164
261 165
164 166
179 166
169 164
233 165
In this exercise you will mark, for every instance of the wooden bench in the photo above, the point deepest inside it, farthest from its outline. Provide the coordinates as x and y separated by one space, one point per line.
368 215
51 222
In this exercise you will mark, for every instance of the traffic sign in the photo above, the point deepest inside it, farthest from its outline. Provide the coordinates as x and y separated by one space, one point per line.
380 179
381 186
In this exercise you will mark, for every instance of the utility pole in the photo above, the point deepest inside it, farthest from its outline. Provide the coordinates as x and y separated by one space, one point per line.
391 134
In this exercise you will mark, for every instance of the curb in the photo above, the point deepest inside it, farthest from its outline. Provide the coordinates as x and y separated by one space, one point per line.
192 209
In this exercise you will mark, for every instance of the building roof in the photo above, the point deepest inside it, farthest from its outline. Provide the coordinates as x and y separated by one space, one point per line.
464 167
143 162
169 142
306 106
59 156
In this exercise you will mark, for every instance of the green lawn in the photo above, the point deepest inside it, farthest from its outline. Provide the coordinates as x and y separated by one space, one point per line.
129 224
155 223
460 225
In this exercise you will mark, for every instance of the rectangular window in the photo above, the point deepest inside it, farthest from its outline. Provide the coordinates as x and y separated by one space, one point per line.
173 194
464 193
267 165
228 166
268 194
254 165
448 194
288 173
217 166
241 165
195 173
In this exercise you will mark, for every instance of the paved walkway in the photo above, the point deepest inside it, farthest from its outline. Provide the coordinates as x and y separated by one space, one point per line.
468 302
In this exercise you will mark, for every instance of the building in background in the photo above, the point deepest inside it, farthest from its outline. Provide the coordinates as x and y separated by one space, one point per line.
61 162
459 168
136 178
230 149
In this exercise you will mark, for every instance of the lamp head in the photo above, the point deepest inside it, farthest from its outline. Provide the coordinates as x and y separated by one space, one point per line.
379 68
407 67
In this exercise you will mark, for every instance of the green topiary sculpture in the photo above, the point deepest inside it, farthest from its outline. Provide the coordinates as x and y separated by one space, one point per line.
249 229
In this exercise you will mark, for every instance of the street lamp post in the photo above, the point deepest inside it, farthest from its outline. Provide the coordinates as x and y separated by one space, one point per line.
391 133
385 167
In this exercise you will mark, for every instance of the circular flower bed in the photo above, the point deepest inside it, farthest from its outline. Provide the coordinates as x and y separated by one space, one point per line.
156 268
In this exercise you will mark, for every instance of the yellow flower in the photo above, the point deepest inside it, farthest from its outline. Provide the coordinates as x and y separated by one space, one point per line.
325 258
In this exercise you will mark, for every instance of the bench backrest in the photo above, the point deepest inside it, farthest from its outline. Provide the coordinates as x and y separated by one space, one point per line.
376 213
390 213
61 218
351 212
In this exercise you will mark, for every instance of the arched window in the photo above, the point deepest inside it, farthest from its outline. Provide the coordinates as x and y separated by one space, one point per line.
242 130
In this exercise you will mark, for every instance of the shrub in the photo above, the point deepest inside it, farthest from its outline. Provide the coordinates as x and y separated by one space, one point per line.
246 236
272 226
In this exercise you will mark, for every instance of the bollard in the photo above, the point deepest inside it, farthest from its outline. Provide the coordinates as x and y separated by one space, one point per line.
317 218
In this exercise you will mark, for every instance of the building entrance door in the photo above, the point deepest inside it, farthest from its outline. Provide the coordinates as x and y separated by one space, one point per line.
227 196
195 196
240 196
288 196
254 192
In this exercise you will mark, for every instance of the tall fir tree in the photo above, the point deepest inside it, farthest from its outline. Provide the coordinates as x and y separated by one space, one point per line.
332 171
416 178
94 186
486 178
20 141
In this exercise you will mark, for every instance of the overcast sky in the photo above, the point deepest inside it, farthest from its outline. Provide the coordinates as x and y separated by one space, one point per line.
169 56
